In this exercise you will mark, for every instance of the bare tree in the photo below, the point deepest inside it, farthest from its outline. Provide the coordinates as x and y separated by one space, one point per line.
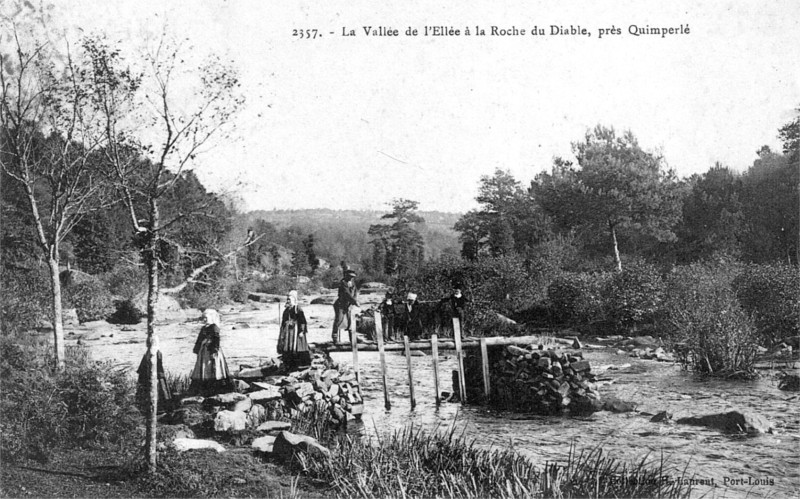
155 127
48 149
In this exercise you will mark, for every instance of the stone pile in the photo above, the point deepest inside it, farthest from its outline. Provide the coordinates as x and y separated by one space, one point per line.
537 381
264 402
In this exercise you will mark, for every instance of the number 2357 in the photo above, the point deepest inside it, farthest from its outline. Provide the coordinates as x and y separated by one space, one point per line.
306 33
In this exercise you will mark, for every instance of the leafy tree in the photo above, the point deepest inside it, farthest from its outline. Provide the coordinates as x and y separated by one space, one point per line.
399 246
713 220
509 220
790 135
617 187
770 206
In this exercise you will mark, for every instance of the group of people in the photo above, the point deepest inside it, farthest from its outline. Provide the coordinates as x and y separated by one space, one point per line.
211 373
407 316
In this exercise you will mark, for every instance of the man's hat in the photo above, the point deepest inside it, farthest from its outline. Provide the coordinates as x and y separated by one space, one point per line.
350 273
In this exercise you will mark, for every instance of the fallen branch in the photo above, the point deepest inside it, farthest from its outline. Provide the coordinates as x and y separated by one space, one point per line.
199 270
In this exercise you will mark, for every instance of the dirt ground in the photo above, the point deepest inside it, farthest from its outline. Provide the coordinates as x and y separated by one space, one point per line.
93 473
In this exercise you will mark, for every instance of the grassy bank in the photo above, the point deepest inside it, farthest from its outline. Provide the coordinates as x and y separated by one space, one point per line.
414 463
82 424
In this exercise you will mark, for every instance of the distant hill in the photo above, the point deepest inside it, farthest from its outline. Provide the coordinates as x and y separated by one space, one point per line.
342 234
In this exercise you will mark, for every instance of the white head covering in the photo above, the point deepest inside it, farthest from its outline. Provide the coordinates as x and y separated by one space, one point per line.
211 316
411 297
292 297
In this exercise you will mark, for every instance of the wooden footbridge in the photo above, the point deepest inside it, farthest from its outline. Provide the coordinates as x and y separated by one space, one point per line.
434 345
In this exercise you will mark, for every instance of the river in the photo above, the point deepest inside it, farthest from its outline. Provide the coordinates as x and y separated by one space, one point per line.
759 466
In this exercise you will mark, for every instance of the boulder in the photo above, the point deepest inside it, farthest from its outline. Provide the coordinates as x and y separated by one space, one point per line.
256 415
266 395
197 400
228 400
230 421
263 444
661 417
517 351
243 405
616 405
324 300
731 422
268 426
286 444
264 297
505 320
643 341
789 382
184 444
576 344
269 367
166 303
70 317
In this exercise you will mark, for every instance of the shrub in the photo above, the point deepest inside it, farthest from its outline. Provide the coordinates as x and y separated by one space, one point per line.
701 312
238 291
577 298
278 284
203 296
26 299
127 282
770 294
127 313
40 409
91 300
633 296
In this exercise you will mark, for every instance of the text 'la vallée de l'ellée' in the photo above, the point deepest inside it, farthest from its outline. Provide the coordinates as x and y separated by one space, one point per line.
509 31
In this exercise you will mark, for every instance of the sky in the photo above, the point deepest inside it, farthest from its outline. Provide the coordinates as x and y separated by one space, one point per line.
352 122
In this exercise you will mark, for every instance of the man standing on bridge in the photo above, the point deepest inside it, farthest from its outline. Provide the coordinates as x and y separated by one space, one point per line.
348 297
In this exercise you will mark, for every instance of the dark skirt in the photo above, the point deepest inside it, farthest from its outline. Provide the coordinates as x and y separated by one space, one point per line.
293 346
290 340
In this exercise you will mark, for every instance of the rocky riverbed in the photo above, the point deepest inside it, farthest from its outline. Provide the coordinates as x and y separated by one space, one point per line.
763 464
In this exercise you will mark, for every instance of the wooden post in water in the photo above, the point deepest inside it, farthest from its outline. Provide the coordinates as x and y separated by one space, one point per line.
435 356
485 369
354 344
379 337
460 357
410 373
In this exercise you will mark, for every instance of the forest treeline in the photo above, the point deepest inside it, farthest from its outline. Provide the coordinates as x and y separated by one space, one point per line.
90 206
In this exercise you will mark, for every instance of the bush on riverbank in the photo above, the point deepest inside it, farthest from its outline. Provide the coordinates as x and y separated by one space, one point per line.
89 403
702 315
770 294
412 463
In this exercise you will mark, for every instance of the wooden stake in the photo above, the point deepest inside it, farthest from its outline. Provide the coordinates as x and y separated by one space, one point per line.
435 357
485 366
379 336
354 345
460 356
410 373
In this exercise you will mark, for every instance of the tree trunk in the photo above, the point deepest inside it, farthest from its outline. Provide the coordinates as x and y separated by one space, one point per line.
152 300
616 247
58 321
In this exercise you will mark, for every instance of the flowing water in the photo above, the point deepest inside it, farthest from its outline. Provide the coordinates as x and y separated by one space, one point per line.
758 466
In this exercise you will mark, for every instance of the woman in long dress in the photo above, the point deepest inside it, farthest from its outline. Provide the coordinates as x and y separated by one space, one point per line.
210 375
292 342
